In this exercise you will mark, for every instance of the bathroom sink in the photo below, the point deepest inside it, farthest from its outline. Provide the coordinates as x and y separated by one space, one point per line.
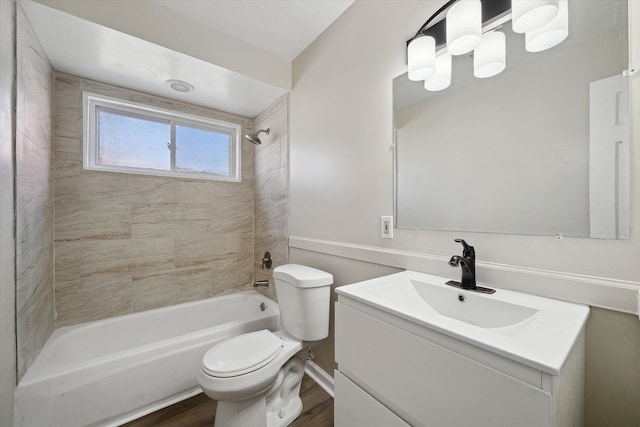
484 311
536 331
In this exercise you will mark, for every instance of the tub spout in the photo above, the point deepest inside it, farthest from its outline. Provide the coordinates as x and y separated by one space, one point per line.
263 283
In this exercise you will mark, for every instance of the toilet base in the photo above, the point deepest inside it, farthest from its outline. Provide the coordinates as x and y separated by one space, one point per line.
249 413
277 407
252 414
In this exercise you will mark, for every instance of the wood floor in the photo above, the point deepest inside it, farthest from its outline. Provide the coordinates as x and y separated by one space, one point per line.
317 410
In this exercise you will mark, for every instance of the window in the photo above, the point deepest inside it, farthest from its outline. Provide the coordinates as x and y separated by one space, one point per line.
120 136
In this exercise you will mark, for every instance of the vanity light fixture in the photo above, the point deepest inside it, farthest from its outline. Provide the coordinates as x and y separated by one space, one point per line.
471 26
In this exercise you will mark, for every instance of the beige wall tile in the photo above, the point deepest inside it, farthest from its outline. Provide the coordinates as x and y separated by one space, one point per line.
271 191
67 123
194 284
153 291
68 261
95 296
34 327
34 196
230 274
35 273
156 240
68 94
151 256
78 218
106 256
273 183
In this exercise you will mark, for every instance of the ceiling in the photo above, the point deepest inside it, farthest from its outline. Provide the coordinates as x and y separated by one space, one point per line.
282 27
236 53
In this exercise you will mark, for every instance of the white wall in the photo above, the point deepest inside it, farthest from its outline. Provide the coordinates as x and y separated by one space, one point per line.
7 220
341 182
341 162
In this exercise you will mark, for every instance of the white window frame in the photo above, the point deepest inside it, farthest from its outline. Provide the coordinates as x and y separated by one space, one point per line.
92 101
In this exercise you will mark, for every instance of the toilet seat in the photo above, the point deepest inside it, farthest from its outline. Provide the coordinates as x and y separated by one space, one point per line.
241 354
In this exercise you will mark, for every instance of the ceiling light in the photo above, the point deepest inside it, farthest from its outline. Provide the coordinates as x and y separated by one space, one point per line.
180 86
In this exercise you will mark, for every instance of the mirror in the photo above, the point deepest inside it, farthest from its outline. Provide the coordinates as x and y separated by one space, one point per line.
540 149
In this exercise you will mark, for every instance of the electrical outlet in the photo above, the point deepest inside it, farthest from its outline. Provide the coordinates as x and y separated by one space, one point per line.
386 227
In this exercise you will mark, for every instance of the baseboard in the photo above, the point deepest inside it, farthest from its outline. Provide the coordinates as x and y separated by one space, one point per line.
317 374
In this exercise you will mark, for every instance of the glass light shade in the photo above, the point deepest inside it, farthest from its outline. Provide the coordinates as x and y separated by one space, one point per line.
551 34
529 15
442 77
421 56
490 57
464 26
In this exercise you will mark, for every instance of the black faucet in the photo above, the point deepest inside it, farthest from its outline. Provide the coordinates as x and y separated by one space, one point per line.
468 263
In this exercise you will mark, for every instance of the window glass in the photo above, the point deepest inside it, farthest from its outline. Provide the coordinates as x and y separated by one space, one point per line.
200 150
124 140
121 136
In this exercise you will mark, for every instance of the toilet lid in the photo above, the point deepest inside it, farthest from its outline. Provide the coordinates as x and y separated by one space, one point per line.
241 354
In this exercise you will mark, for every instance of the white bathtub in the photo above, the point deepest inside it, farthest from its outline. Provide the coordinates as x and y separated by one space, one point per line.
112 371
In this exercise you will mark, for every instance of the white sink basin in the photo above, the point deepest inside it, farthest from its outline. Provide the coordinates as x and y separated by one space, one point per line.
481 310
536 331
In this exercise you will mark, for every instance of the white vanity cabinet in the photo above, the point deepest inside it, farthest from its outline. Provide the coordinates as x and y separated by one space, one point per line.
394 371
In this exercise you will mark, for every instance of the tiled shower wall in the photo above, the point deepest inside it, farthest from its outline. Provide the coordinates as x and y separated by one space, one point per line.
126 243
34 195
271 190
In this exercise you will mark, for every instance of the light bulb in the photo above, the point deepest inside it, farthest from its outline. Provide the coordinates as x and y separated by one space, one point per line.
551 34
464 26
490 56
421 56
529 15
442 77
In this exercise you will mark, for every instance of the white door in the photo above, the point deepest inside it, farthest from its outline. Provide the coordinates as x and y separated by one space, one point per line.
609 158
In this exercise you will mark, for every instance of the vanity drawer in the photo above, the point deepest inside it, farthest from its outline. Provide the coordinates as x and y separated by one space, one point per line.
353 407
427 384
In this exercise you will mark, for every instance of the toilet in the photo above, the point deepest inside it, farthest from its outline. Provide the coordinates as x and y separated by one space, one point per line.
255 377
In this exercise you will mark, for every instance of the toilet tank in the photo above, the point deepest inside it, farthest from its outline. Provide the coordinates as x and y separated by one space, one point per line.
304 295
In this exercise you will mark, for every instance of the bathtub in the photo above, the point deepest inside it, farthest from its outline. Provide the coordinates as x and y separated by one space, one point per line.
112 371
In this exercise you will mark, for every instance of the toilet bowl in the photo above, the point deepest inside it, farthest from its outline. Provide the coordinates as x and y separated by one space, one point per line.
255 377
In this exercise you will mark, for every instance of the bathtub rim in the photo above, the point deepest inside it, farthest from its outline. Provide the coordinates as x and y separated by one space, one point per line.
40 369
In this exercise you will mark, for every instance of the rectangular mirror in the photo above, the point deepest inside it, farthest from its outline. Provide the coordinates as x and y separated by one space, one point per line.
540 149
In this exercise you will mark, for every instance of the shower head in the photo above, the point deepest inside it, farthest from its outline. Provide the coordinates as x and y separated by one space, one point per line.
253 137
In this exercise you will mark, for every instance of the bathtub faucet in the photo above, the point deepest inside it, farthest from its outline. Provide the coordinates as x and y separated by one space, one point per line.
263 283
